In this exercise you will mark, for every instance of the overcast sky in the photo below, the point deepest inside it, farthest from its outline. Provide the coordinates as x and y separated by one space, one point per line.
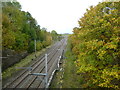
59 15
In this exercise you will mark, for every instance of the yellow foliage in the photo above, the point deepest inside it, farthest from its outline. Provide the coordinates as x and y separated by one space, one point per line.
97 41
111 46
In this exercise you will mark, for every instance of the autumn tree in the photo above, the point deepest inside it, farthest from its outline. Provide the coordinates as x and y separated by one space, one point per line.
96 43
20 29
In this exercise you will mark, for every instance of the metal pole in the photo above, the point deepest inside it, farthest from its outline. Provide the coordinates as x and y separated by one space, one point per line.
46 78
35 47
58 64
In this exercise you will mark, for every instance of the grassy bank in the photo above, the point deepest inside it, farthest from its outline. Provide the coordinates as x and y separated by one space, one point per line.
24 62
70 78
67 76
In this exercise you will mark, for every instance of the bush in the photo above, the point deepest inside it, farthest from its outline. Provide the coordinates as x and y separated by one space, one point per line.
31 47
39 46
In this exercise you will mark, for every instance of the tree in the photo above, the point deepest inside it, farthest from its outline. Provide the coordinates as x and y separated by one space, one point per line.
54 35
20 30
96 46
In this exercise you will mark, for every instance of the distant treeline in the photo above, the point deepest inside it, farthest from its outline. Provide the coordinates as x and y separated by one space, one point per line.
20 30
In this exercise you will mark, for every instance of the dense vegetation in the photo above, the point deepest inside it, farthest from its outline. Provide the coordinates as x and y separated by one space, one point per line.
96 45
20 30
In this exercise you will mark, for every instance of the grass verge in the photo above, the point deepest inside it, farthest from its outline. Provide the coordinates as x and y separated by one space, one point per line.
24 62
67 78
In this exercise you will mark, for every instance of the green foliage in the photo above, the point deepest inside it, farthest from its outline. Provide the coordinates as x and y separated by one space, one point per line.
8 39
20 30
54 34
96 45
39 46
31 47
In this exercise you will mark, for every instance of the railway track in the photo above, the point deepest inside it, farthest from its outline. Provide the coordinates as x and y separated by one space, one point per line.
25 80
52 65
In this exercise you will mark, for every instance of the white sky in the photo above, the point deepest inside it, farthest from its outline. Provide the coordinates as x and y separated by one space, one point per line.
59 15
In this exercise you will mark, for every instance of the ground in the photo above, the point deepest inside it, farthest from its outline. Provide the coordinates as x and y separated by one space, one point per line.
66 77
